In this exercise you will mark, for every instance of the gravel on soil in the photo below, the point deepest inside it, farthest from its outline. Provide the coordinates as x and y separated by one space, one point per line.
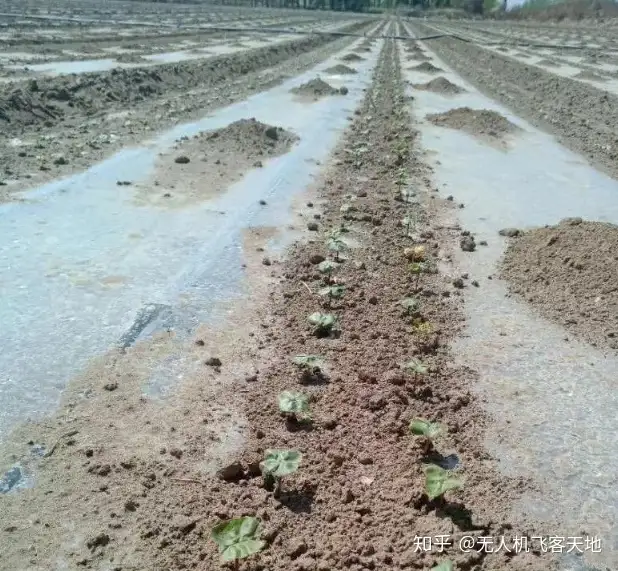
583 117
440 85
569 272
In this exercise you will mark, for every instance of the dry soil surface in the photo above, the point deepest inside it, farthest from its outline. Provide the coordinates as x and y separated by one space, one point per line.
206 165
482 123
315 89
358 500
569 272
440 85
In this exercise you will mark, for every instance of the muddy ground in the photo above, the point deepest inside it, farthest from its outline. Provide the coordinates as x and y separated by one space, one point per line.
568 273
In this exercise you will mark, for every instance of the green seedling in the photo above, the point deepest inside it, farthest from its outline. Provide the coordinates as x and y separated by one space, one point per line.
416 269
323 322
333 292
423 328
335 243
308 361
416 367
426 429
444 566
294 405
276 465
238 538
438 481
327 267
411 304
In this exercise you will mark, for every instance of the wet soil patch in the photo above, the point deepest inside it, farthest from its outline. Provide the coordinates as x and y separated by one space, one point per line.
315 89
426 67
483 123
204 166
340 69
440 85
569 272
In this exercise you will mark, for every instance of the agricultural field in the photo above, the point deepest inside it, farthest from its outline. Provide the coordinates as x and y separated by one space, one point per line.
306 290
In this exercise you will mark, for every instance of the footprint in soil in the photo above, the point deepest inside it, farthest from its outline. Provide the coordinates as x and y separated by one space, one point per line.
297 501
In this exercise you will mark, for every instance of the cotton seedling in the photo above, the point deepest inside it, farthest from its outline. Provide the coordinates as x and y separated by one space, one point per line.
411 304
327 267
308 361
438 481
416 367
238 538
294 405
276 465
323 322
444 566
335 243
416 269
333 292
428 430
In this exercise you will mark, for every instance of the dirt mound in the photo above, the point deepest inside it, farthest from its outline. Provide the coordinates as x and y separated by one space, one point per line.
440 85
427 67
418 56
315 88
205 166
340 69
586 74
478 122
130 58
569 273
352 57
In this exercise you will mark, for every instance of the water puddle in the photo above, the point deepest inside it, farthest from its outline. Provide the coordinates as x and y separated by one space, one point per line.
554 401
61 249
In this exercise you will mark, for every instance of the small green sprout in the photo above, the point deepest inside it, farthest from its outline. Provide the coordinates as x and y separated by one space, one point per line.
294 405
416 269
323 322
444 566
308 361
422 427
416 366
333 292
238 538
411 304
327 267
438 481
335 243
423 328
276 464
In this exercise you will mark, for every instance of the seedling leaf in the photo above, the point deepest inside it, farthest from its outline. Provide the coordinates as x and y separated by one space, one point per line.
444 566
238 538
327 267
279 463
439 481
333 291
416 366
422 427
322 321
311 361
293 403
410 303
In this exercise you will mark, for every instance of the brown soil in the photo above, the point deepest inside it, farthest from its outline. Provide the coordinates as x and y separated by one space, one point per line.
315 88
115 124
216 159
426 67
352 57
482 123
357 502
581 116
569 272
440 85
340 69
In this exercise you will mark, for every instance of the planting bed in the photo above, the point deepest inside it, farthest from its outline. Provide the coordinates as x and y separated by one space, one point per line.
330 303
